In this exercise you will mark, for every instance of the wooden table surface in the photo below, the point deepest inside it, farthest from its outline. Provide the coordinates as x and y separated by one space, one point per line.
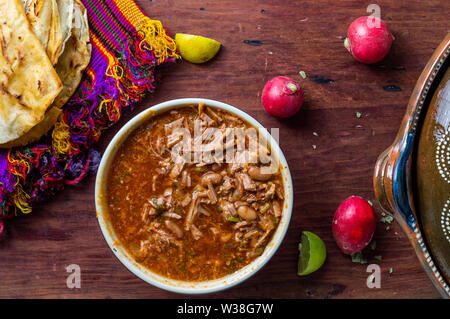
295 36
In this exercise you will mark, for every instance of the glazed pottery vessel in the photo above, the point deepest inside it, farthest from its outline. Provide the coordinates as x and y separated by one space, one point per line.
412 177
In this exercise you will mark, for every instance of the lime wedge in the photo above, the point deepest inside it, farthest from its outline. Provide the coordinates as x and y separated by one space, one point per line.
195 48
312 253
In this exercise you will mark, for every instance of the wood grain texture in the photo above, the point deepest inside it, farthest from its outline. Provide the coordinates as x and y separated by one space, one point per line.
301 35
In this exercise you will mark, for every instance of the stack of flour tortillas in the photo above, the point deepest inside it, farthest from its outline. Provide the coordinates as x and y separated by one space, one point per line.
44 49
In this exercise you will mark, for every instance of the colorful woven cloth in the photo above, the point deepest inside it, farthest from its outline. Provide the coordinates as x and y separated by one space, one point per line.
127 50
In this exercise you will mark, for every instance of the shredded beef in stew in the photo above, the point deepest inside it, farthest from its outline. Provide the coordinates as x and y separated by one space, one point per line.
191 217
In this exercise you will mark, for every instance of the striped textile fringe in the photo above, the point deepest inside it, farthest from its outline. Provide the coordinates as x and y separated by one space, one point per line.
127 49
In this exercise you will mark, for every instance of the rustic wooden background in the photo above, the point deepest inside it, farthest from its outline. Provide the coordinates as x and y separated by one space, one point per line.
295 36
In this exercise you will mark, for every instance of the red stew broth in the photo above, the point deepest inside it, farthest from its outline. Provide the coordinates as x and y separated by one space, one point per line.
176 224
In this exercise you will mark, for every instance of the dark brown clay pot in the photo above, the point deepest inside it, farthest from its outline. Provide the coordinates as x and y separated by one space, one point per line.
412 177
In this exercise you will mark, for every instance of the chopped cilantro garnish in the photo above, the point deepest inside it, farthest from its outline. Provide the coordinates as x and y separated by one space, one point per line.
264 208
218 209
388 219
159 209
358 258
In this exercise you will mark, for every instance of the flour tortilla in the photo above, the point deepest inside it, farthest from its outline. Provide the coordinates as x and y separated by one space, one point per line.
50 118
51 21
66 14
70 67
75 57
45 21
28 81
73 30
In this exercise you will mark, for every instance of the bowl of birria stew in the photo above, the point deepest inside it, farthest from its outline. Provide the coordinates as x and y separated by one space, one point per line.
193 195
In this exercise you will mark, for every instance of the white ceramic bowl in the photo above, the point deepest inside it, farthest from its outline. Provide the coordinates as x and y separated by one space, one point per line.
164 282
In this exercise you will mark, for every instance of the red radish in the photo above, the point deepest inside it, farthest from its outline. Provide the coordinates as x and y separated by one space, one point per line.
282 97
354 224
368 39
